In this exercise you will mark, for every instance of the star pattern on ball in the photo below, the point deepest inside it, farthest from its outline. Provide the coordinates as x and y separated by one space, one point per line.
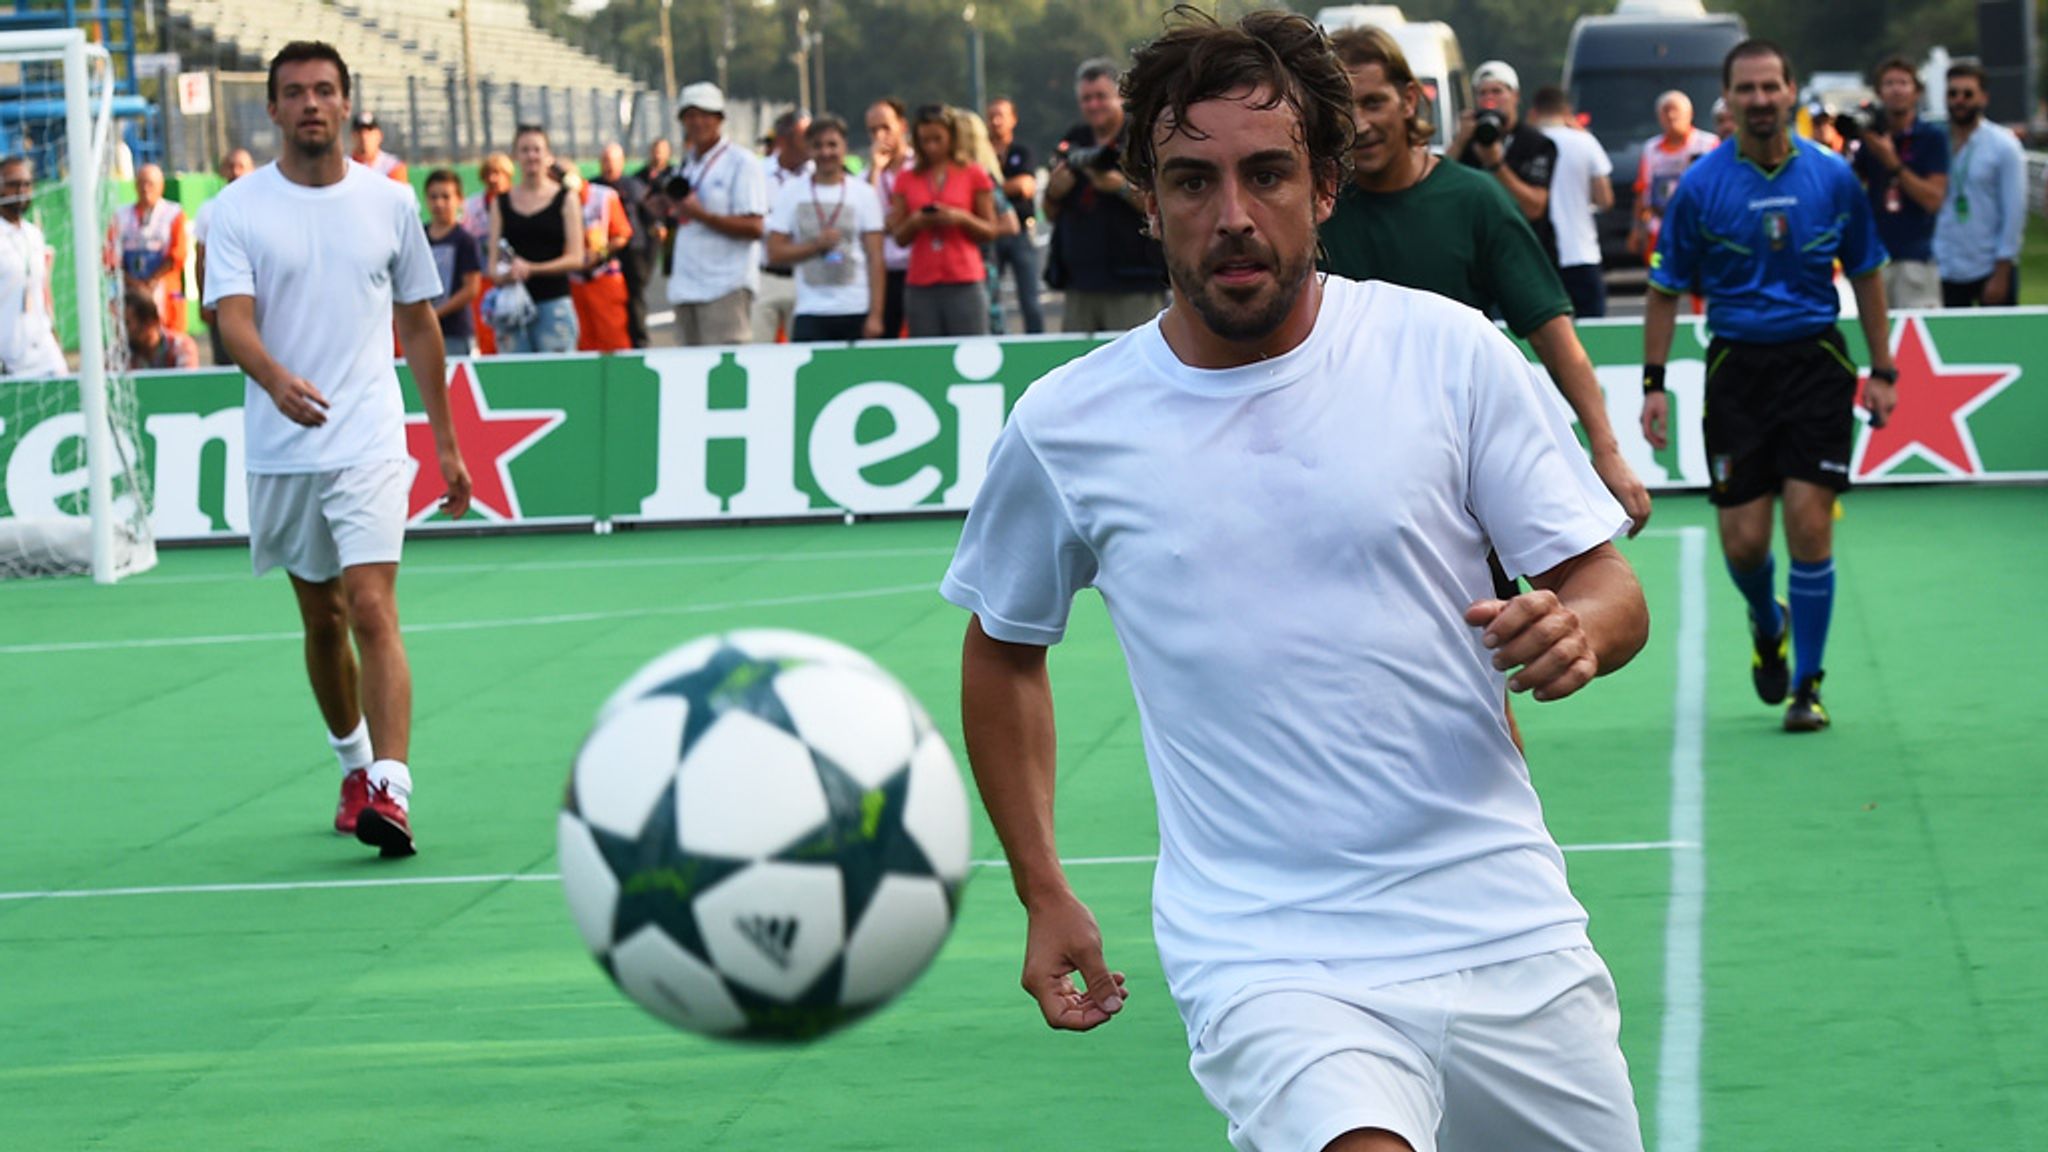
658 882
863 834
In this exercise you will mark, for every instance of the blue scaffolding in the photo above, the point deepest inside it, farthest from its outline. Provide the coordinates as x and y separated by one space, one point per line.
32 102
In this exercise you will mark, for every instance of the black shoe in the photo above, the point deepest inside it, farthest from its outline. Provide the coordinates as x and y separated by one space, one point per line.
1768 668
1806 713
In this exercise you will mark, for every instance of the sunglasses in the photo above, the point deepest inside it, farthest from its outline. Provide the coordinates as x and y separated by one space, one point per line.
1961 93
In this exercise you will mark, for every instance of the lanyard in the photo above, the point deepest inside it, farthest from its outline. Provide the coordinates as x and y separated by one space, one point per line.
825 223
710 161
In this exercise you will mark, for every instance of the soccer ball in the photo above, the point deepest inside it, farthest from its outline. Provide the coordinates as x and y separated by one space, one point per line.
763 836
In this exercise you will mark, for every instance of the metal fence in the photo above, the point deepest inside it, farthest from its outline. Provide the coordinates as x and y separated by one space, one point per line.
428 121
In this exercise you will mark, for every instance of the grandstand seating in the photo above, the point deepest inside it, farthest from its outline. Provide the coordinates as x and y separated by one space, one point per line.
386 41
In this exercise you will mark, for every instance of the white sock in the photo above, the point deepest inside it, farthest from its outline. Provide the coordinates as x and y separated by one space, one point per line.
394 776
353 750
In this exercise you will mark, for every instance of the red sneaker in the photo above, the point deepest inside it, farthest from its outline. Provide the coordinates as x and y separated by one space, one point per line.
355 796
383 825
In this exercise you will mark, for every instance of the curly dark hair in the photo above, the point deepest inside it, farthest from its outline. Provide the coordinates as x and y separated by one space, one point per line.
1198 59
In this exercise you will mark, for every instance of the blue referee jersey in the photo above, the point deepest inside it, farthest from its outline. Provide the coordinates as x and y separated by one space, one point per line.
1761 246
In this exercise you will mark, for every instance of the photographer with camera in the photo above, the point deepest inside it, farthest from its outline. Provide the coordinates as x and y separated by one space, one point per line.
1522 160
1113 274
1903 164
717 203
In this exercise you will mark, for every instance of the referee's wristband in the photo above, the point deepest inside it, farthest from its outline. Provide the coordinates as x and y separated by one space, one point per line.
1653 378
1888 375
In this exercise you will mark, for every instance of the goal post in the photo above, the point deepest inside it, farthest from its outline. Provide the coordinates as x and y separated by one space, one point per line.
40 534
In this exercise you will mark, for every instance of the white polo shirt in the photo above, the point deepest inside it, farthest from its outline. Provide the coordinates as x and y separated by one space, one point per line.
709 264
28 342
1287 551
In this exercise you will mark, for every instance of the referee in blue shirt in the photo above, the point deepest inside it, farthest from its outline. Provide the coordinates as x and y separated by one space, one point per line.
1758 226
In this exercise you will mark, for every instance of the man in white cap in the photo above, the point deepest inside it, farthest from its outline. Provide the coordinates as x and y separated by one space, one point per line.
1494 140
718 221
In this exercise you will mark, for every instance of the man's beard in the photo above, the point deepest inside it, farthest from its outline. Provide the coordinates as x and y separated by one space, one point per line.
1965 117
308 150
1226 317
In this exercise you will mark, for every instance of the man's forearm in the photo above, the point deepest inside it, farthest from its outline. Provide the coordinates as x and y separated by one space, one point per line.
734 227
1557 345
1532 200
1007 717
420 334
1601 589
1871 312
1926 191
1660 320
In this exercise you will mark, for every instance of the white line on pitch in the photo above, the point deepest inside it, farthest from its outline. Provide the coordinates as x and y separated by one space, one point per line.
475 625
1678 1059
550 877
410 571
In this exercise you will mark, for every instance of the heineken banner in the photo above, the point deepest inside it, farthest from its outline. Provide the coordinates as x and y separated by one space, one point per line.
782 431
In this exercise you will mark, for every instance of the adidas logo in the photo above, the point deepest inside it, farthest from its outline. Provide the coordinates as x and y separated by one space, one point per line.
775 936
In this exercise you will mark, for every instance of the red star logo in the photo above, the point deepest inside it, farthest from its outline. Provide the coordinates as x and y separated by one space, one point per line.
1935 403
490 440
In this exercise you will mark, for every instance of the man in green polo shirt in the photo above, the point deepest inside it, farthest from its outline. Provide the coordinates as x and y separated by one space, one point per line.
1409 218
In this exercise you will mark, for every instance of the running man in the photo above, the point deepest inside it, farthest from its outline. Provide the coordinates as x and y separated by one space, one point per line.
307 312
1758 228
1364 923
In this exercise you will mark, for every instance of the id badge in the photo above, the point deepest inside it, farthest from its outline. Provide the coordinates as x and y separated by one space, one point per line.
1963 206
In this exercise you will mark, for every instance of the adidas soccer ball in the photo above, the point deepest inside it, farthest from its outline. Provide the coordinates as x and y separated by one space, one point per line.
763 836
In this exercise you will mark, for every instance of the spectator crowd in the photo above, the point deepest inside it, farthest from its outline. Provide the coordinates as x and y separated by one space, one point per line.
912 222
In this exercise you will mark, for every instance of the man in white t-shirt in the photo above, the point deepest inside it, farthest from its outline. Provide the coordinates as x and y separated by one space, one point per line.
1580 185
788 162
233 166
718 226
307 258
828 230
1285 488
28 338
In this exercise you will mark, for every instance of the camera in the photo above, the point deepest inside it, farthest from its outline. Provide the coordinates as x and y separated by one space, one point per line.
1102 158
676 186
1865 117
1488 126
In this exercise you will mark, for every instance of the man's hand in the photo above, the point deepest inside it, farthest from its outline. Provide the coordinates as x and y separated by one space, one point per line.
1621 480
1490 156
1063 939
1878 144
827 240
300 402
1998 289
871 328
1880 397
455 475
1541 639
1107 181
1657 419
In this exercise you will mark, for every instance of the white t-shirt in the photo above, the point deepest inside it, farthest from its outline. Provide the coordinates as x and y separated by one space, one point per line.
826 286
324 266
708 263
1287 551
1580 161
774 178
28 343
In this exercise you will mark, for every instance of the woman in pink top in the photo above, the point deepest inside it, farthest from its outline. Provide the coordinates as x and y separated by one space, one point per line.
943 210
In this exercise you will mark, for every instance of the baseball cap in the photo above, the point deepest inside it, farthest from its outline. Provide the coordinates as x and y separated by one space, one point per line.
703 96
365 120
1499 70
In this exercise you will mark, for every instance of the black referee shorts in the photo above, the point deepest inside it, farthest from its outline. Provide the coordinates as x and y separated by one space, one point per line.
1778 412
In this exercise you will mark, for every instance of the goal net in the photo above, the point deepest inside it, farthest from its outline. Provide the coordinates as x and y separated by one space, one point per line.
74 492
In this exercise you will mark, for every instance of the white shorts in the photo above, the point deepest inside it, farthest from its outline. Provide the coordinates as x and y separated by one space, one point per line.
314 524
1523 1056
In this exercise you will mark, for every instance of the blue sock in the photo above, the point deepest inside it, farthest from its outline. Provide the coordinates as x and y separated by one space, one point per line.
1755 586
1813 601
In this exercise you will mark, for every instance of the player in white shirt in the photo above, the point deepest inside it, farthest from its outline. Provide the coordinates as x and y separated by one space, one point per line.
1580 185
827 227
1285 488
28 338
307 257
